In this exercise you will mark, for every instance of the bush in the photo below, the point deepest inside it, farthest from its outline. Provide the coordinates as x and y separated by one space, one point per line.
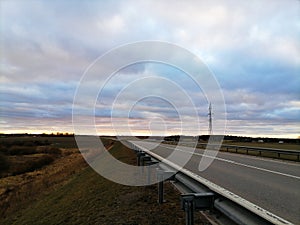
3 149
6 144
52 150
4 165
33 164
46 142
29 143
49 150
22 150
42 161
17 142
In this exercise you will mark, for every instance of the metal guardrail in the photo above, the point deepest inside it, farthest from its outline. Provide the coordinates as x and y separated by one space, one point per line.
200 194
279 152
236 148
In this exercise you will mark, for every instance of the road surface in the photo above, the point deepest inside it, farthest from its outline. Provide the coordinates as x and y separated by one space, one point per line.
271 184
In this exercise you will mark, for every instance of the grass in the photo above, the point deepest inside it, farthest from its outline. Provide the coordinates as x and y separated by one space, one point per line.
88 198
4 164
18 158
33 166
19 155
17 191
20 165
57 141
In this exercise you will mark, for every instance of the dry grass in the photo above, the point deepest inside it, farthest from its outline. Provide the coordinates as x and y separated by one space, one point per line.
17 191
87 198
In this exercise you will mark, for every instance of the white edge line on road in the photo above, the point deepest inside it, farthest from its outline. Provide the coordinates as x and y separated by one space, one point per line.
249 156
224 192
237 163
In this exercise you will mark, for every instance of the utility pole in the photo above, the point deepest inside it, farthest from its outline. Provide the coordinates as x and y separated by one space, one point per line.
210 119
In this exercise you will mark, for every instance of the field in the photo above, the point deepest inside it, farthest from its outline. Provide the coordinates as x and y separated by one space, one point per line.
34 166
67 191
27 154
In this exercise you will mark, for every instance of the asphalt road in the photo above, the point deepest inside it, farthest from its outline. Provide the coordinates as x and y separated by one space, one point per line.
271 184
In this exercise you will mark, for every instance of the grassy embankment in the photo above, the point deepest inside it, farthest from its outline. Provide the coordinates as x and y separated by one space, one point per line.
34 166
87 198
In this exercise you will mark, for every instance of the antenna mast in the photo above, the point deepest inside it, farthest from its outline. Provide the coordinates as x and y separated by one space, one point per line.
210 119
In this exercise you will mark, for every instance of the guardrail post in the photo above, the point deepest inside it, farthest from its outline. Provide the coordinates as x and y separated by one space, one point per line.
192 201
188 206
150 169
144 159
161 192
160 177
139 155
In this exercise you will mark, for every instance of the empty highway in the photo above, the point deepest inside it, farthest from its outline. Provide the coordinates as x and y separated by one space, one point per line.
271 184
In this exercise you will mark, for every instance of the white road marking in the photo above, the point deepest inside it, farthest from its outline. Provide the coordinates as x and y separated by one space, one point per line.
233 197
237 163
262 159
257 158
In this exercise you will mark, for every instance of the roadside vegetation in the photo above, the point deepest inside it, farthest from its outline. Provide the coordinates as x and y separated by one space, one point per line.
67 191
31 166
17 157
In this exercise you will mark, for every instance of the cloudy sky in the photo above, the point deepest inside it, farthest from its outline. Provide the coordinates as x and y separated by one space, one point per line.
251 47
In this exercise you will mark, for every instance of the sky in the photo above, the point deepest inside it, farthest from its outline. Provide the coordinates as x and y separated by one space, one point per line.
252 49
